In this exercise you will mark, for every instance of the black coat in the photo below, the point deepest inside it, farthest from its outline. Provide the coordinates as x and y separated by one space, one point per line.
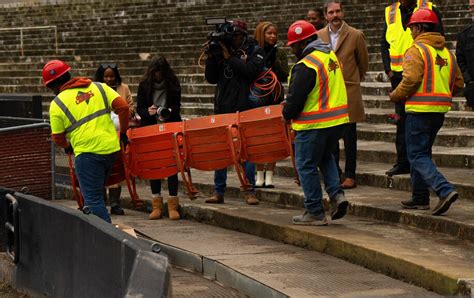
465 53
234 77
144 101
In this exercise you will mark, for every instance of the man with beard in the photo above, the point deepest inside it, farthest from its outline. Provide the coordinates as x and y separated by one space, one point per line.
396 39
316 104
349 45
465 55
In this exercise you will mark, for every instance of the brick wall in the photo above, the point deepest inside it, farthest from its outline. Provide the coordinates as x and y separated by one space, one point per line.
25 159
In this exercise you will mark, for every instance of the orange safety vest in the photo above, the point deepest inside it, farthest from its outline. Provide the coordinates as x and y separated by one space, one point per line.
326 105
399 39
434 95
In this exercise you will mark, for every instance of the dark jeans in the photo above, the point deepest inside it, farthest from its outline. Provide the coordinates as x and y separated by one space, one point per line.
220 177
422 129
400 143
92 171
350 150
314 149
172 186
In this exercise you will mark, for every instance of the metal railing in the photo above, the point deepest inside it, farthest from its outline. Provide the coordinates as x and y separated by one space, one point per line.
21 29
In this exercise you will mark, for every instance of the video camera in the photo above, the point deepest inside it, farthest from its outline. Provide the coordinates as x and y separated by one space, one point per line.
224 32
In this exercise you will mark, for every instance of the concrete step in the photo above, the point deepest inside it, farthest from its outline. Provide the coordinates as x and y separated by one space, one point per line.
437 261
372 173
259 267
452 118
447 136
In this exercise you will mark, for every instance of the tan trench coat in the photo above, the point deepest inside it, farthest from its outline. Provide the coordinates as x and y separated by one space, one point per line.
351 50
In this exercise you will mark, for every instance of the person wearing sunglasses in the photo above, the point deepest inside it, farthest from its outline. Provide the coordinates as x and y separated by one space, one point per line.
109 74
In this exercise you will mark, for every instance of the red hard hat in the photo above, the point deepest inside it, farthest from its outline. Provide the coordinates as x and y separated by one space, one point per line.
53 70
423 15
300 30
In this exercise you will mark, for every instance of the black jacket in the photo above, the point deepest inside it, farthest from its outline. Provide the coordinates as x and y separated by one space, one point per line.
144 101
234 77
406 14
465 53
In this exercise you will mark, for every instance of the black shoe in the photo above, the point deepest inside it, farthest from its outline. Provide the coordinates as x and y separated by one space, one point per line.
410 204
445 203
397 170
117 210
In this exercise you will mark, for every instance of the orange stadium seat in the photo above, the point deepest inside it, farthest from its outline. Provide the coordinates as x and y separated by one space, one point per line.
213 143
155 152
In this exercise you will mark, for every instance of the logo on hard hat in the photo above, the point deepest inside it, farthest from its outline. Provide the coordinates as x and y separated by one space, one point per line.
52 72
298 30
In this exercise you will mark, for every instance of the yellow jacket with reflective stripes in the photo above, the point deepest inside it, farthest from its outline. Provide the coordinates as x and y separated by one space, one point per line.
83 113
434 94
326 105
398 38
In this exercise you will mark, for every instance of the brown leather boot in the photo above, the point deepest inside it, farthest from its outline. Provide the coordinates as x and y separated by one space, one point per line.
250 198
349 183
215 199
157 204
173 205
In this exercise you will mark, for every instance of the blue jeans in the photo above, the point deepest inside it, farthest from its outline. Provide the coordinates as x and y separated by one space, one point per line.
314 149
220 177
421 131
92 171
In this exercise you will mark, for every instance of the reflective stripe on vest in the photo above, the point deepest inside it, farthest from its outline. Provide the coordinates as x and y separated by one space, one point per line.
326 105
76 123
435 92
399 39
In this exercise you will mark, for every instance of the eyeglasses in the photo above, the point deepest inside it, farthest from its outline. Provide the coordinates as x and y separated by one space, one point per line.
108 65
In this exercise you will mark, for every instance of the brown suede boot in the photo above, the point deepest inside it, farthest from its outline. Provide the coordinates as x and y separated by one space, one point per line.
173 205
157 205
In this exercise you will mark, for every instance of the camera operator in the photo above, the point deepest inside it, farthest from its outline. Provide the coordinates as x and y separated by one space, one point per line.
158 101
233 69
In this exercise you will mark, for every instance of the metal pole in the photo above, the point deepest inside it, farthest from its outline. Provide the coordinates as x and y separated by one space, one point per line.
56 38
21 43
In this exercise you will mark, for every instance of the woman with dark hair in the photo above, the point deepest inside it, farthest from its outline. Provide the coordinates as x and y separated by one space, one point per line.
159 101
266 35
108 73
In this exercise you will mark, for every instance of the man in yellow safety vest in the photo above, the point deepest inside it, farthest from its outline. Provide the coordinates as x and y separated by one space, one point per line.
396 39
80 123
430 77
317 107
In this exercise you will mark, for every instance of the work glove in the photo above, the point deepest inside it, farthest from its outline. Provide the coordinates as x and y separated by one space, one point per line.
124 138
69 150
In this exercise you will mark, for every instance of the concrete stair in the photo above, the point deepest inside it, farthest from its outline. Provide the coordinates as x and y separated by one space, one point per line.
432 252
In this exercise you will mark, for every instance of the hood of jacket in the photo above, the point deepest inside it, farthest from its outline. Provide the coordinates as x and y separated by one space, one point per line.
317 45
434 39
76 83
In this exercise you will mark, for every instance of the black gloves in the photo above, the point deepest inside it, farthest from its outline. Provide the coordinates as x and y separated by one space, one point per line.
69 150
123 138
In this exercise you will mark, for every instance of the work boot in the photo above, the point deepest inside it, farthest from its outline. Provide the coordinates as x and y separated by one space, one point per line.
410 204
157 204
215 199
309 219
173 206
114 198
250 198
398 170
339 206
349 183
260 179
269 179
445 203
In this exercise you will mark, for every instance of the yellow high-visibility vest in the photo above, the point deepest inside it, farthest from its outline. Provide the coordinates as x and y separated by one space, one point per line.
326 105
398 38
434 95
84 115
